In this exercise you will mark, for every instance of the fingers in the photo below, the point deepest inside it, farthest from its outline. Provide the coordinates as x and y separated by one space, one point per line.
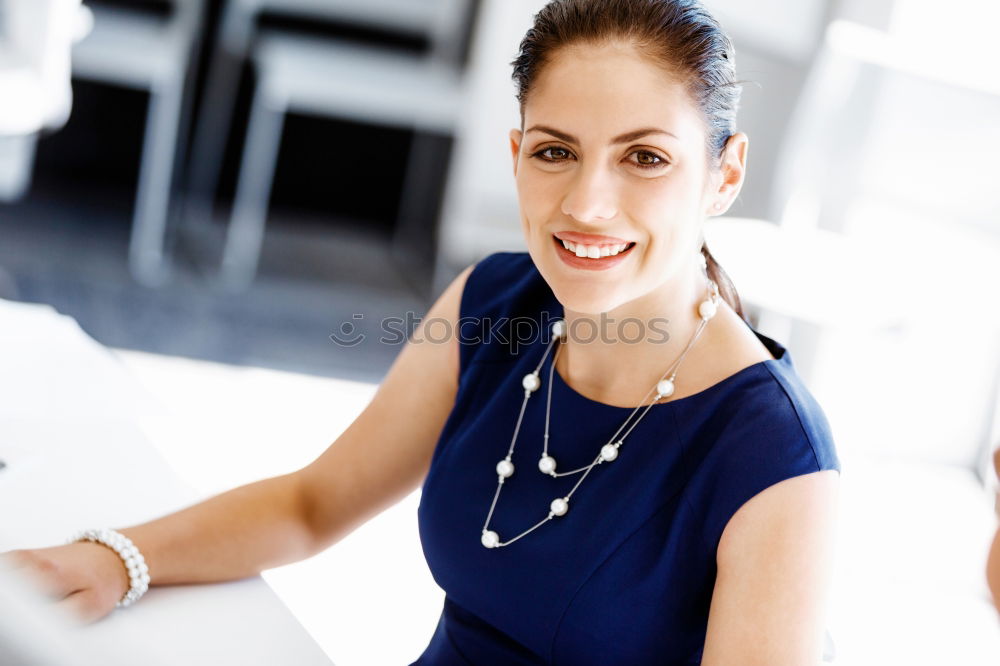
47 576
51 574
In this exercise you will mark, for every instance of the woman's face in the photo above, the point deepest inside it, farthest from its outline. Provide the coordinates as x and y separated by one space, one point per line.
612 146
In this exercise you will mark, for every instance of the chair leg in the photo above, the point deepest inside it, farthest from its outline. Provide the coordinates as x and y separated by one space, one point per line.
245 235
17 159
146 256
212 129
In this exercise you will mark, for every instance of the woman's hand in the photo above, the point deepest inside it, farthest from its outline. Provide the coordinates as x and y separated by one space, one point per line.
85 579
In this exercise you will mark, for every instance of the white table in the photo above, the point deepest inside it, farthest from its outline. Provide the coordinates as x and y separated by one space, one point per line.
69 435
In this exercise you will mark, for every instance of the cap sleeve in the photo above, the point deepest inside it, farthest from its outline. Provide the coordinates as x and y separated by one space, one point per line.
769 435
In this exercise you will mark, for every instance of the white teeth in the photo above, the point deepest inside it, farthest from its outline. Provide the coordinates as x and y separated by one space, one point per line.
593 251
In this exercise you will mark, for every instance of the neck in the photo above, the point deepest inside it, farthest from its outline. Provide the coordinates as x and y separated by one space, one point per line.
617 356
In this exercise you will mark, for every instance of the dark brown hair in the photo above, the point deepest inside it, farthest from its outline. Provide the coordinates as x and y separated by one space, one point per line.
680 35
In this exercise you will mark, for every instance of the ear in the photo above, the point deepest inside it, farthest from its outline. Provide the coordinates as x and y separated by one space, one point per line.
515 147
732 172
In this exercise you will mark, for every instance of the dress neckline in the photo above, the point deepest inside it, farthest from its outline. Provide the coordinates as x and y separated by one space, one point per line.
780 353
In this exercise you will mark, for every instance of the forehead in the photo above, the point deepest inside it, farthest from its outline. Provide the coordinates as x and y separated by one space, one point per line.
598 91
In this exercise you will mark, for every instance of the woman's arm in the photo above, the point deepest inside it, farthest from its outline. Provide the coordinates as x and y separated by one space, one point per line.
381 457
775 561
386 452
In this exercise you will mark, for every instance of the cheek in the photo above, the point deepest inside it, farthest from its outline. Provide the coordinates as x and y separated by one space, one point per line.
665 212
538 197
651 206
529 200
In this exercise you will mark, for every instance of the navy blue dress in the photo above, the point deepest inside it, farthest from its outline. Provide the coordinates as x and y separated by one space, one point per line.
625 577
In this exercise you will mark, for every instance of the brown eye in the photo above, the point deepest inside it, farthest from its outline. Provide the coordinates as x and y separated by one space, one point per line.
648 160
551 149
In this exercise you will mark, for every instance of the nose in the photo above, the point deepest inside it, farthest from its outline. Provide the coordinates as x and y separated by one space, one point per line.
592 196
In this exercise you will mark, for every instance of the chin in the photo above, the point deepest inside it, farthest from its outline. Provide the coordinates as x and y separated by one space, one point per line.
579 293
585 300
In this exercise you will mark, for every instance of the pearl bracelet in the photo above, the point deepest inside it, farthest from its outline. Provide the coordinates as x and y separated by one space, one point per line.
138 572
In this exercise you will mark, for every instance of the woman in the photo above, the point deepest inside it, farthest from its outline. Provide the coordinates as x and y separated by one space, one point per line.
993 559
574 528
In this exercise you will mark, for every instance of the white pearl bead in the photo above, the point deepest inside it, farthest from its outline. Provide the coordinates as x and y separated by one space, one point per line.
505 468
665 388
559 328
547 464
559 506
490 539
707 309
609 452
531 382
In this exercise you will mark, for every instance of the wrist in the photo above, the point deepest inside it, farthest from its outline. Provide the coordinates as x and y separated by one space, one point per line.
109 571
129 556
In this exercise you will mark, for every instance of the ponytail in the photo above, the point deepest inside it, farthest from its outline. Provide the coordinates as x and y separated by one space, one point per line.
726 287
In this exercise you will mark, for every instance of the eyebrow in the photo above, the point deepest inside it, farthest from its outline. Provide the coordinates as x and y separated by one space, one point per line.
621 138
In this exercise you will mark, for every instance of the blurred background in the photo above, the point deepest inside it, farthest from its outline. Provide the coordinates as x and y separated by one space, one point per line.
227 183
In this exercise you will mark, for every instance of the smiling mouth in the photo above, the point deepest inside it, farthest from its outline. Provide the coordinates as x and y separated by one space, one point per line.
561 246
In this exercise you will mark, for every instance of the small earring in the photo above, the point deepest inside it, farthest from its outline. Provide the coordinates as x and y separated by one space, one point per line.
718 206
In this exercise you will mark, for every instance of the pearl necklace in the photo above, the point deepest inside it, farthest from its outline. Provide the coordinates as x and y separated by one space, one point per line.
547 464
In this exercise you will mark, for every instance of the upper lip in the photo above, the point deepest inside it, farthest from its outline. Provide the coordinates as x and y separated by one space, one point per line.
588 239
